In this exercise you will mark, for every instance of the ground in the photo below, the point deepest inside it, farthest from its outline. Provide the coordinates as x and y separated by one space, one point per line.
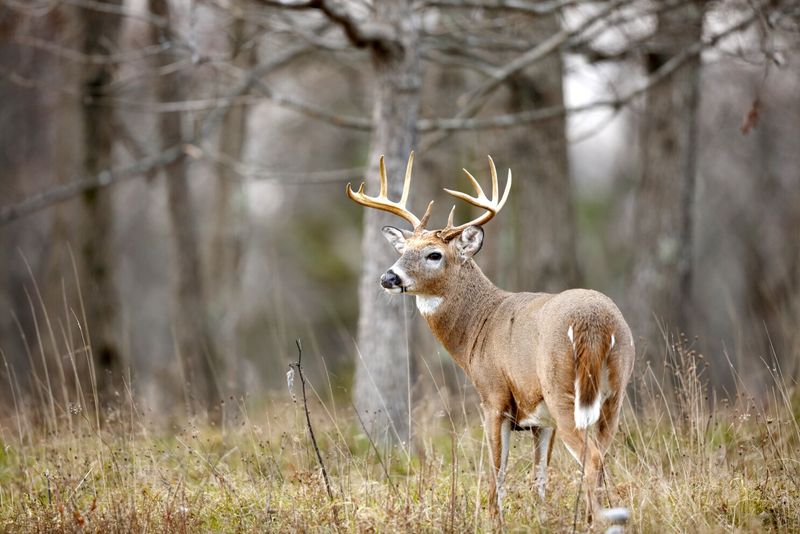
680 463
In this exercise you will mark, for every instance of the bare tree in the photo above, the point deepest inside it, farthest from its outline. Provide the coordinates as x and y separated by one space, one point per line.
195 344
100 37
661 279
230 217
545 231
382 369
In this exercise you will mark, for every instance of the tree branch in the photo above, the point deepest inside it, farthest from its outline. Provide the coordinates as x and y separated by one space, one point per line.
530 8
362 34
476 98
516 119
72 189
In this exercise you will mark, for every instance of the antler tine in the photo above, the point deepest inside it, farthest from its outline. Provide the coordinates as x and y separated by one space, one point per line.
382 202
407 179
491 207
475 184
384 181
426 217
493 170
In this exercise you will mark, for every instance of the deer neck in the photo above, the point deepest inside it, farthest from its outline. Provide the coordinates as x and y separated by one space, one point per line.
456 317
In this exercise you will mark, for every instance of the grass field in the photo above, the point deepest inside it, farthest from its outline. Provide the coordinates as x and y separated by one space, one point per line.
681 463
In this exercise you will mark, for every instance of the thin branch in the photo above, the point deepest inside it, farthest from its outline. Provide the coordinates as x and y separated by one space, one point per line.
361 33
72 189
61 51
459 122
530 8
284 177
534 115
476 98
146 165
308 417
121 10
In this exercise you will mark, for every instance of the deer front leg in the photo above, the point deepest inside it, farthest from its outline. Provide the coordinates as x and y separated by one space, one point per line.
498 433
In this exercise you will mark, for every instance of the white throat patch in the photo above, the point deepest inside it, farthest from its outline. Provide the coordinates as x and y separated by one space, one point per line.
427 305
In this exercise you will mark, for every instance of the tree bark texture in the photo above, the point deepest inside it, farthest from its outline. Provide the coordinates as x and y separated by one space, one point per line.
101 299
382 365
660 287
196 345
544 235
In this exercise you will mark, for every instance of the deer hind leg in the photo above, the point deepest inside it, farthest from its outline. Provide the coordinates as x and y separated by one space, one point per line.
606 429
543 448
574 439
498 433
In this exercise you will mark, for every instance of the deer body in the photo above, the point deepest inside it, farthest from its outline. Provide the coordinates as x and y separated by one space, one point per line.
538 361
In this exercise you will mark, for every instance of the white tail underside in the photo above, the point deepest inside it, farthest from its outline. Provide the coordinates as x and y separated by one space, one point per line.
586 416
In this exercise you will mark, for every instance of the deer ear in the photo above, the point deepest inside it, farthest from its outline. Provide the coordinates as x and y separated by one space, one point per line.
396 237
469 242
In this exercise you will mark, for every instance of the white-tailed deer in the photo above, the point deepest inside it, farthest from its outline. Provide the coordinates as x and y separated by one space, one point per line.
538 361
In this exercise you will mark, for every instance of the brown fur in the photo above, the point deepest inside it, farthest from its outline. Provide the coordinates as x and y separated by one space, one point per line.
592 344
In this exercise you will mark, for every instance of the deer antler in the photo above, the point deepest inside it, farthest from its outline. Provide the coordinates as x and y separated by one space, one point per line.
382 202
492 206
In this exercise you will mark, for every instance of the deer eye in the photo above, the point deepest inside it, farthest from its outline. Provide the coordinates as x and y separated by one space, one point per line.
434 256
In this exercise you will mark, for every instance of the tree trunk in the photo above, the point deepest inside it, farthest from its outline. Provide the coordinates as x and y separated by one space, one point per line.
230 225
659 291
382 379
545 229
194 341
101 300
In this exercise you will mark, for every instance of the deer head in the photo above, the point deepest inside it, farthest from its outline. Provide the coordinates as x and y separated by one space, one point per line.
430 258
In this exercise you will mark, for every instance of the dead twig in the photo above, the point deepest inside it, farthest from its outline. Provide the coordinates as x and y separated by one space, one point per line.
308 416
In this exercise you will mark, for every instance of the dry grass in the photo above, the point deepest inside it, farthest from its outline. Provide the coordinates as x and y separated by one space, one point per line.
683 464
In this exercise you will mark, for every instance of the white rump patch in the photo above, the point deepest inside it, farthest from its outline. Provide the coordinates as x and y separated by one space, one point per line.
570 336
428 305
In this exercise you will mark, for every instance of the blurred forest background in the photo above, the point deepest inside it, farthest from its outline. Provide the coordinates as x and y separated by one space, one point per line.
172 207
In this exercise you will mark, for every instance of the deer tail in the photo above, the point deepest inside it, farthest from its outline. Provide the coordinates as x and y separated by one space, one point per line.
591 344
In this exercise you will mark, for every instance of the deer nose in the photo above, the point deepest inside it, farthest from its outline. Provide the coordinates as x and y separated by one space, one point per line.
389 279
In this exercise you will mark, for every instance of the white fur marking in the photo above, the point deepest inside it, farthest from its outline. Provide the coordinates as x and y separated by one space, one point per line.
570 336
586 416
613 341
428 305
539 417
